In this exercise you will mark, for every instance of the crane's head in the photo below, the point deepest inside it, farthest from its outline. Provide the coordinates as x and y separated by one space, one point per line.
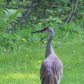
48 30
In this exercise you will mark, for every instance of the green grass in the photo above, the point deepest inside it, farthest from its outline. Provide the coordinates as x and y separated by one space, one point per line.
15 67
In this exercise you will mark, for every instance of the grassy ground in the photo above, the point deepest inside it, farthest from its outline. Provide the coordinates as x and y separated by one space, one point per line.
23 66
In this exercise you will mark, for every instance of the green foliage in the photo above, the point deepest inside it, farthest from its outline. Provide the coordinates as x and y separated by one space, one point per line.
14 40
20 50
9 16
21 66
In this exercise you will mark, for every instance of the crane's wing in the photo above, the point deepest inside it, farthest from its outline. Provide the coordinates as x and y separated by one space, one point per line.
50 72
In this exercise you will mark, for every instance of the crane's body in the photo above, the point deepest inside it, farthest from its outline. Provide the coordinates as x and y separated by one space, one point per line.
52 68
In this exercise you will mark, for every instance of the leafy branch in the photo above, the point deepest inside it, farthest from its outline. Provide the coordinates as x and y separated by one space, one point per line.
10 18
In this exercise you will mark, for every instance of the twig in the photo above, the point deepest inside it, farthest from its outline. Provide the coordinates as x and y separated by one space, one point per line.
26 15
42 38
74 10
28 12
69 15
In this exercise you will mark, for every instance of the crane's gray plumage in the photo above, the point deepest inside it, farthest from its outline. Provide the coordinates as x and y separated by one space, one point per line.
52 68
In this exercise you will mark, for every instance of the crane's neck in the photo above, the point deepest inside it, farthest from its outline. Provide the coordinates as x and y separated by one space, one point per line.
49 49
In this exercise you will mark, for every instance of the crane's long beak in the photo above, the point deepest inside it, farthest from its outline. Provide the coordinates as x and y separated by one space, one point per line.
38 31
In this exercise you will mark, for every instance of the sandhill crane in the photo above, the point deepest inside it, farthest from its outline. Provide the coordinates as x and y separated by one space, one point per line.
52 68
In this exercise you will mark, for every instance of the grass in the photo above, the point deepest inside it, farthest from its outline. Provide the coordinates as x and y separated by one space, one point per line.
21 66
16 68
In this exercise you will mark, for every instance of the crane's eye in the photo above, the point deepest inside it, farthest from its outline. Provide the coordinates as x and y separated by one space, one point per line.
46 28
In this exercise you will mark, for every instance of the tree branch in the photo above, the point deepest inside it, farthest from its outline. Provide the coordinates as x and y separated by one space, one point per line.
33 7
69 15
74 10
